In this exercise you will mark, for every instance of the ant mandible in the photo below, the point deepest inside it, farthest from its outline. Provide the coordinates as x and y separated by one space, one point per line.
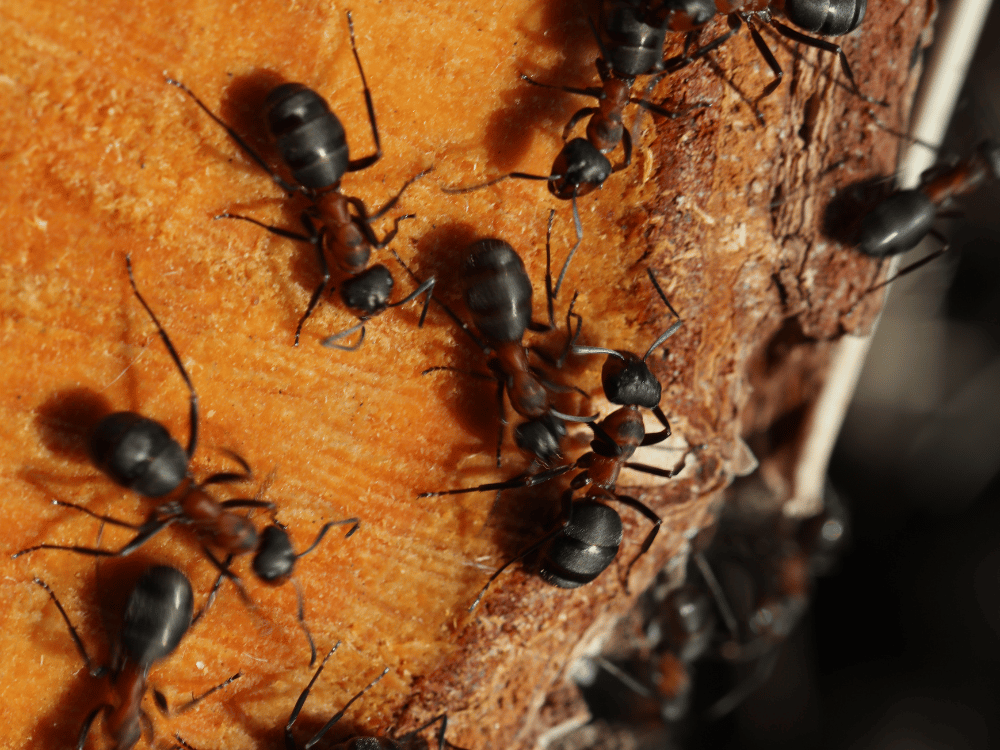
360 742
157 615
498 294
139 453
902 220
589 535
313 146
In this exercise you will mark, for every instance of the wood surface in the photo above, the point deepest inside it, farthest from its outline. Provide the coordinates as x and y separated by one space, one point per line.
99 157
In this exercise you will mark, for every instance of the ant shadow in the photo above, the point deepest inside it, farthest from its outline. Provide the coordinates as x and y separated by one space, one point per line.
510 126
53 729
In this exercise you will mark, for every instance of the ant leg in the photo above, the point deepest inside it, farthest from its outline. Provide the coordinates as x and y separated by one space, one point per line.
826 46
147 531
715 588
648 541
98 516
247 503
227 477
596 93
653 438
571 338
302 620
395 199
479 375
193 409
236 137
448 310
575 119
198 699
521 556
915 265
212 594
502 412
676 63
91 669
318 291
289 740
361 222
428 287
355 164
85 729
340 714
521 480
286 233
443 718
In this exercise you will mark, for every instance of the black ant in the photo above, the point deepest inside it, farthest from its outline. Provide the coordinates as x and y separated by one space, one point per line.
498 294
157 615
823 17
582 165
130 448
587 539
313 146
361 742
902 220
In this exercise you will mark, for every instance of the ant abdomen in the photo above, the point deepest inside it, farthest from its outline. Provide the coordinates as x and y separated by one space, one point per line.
138 453
498 291
584 548
157 616
636 46
309 136
897 224
826 18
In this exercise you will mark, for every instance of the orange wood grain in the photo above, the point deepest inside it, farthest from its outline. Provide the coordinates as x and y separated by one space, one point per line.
99 158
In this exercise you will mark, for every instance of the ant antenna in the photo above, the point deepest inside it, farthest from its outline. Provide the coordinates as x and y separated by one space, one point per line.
193 416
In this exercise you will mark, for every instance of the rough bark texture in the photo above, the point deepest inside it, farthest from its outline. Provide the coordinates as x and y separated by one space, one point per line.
99 158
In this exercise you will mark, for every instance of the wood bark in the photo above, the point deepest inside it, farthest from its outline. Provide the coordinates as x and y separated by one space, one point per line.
99 158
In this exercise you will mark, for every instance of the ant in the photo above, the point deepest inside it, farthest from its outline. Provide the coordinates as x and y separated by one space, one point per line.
582 165
828 18
498 294
587 539
902 220
157 615
356 743
313 146
130 447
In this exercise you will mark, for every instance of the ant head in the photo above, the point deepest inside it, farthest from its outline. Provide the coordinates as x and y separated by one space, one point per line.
582 168
309 136
275 558
138 453
541 437
826 17
157 615
990 152
628 381
369 292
